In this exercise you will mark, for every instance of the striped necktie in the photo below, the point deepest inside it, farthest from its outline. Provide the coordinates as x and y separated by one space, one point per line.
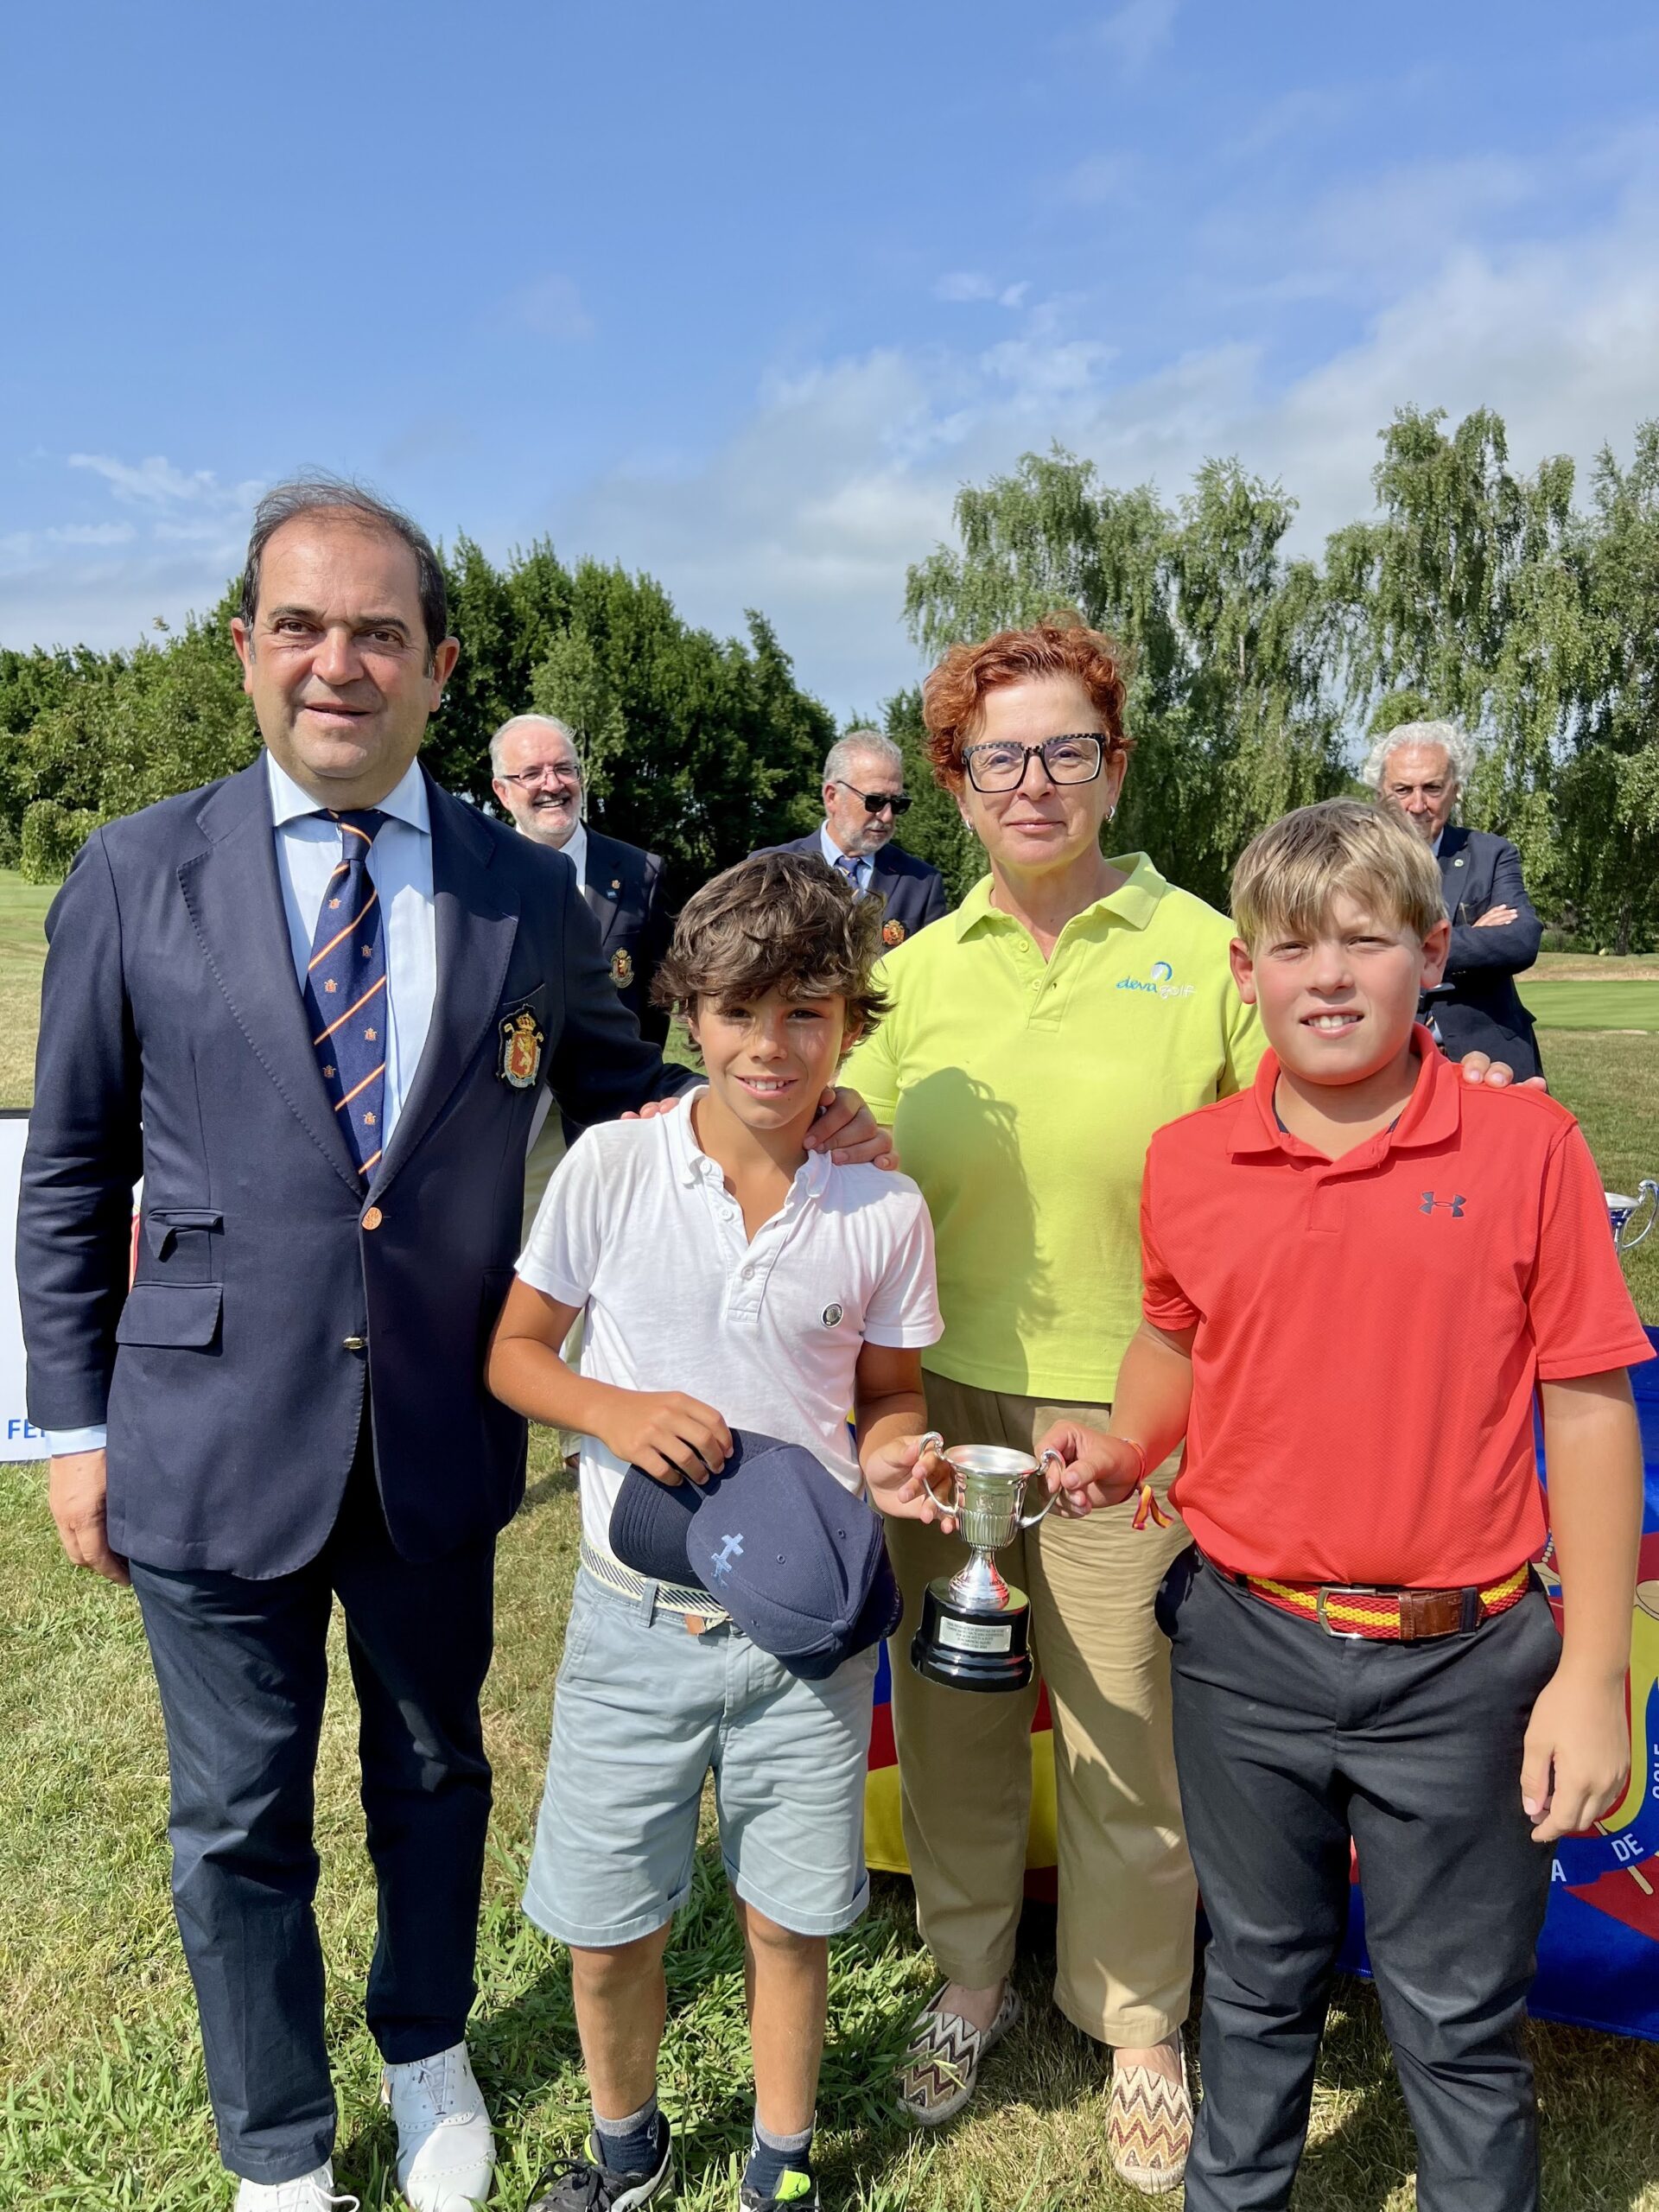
346 990
847 863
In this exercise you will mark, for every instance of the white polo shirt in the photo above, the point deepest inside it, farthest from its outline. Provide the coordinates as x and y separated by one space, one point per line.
637 1227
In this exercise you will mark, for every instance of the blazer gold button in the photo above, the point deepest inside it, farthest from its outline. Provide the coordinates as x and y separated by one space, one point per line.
353 1344
373 1218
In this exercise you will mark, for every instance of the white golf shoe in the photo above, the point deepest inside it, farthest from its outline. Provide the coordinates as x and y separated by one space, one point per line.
446 2151
313 2192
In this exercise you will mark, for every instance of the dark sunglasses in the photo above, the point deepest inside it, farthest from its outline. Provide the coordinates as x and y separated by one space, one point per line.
875 801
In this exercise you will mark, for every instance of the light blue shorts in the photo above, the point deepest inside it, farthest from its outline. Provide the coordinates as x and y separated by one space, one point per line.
642 1712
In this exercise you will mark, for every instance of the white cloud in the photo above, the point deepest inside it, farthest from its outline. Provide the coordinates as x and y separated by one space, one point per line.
92 533
1096 180
156 483
101 581
963 286
1133 34
971 288
843 476
549 306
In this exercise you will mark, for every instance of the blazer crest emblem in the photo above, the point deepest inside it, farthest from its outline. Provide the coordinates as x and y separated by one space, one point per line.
893 932
520 1059
621 968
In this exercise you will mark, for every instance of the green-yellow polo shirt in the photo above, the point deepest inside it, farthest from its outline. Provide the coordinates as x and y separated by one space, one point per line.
1023 1095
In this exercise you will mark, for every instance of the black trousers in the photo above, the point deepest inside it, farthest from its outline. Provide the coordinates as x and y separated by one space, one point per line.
1289 1743
242 1669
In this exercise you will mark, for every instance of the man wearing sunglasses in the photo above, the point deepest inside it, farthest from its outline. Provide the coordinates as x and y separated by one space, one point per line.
863 798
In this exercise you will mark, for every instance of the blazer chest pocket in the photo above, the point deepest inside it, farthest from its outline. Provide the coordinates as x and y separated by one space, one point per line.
182 1316
178 1243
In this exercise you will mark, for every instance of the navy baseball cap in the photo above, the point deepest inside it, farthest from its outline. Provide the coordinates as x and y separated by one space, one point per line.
796 1560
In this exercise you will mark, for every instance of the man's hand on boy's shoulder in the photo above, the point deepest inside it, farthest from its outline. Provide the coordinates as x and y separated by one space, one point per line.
908 1480
1576 1761
1496 1074
844 1127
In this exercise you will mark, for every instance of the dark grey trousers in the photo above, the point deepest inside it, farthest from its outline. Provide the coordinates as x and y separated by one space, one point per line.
1290 1742
242 1668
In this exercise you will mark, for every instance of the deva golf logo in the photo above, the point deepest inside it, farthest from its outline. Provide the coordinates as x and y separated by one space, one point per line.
1162 982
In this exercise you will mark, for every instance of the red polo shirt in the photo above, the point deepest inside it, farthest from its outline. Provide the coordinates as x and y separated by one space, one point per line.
1370 1329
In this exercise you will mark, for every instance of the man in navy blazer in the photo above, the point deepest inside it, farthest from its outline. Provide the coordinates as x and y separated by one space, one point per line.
1418 769
863 798
287 1405
536 772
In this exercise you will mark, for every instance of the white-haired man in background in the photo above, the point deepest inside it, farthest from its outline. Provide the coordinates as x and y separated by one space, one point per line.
1417 771
863 798
536 772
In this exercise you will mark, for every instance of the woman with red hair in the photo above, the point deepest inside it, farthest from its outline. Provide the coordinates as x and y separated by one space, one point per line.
1036 1040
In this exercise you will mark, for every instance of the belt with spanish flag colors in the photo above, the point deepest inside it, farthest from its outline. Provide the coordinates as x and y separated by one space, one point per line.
1387 1615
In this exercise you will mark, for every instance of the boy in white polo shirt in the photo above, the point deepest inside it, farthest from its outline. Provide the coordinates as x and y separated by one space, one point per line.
730 1280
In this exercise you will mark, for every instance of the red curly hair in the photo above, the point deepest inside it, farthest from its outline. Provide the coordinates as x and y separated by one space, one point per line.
1060 645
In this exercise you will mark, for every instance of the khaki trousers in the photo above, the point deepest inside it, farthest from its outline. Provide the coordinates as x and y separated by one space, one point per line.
1126 1896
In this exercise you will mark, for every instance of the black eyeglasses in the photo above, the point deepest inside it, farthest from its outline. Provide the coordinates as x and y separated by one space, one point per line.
875 801
1000 765
545 772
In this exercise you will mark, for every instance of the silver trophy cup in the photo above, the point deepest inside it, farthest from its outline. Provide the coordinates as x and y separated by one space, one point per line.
975 1628
1632 1218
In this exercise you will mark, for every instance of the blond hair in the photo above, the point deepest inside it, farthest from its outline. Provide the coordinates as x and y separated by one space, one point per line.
1286 877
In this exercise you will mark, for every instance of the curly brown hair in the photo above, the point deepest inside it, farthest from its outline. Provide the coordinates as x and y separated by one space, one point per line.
1060 645
786 921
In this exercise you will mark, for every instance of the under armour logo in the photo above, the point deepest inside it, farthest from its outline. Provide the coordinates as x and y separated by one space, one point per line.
731 1548
1453 1206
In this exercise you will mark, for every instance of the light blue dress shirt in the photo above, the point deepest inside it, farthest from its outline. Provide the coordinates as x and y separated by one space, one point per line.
863 864
308 852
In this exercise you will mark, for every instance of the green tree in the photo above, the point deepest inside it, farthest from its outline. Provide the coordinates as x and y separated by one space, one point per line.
1607 804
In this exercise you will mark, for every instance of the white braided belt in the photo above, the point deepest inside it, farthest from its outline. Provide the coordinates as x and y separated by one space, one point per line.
672 1597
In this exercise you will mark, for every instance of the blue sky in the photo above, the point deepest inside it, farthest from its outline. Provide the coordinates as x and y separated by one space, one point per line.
741 294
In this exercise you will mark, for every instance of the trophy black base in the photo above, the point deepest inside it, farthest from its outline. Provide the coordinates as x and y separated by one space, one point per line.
966 1650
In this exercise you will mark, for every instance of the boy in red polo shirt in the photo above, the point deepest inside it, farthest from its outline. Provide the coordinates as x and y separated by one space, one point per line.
1358 1274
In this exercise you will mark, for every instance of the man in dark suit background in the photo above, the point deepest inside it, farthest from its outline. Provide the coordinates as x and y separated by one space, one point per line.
863 798
1417 771
288 1404
536 772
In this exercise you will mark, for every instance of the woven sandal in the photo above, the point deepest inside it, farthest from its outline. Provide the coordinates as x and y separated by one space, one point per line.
1149 2127
942 2064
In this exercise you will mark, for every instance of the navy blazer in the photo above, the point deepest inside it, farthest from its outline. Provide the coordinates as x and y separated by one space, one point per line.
913 891
1477 1007
626 897
270 1290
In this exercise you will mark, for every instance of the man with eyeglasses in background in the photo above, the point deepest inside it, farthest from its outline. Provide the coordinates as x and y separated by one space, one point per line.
536 772
863 798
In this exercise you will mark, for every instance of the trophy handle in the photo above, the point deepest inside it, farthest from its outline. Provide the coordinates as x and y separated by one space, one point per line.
1030 1520
1647 1189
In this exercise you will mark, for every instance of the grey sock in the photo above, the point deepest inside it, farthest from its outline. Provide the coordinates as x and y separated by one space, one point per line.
773 2155
628 2145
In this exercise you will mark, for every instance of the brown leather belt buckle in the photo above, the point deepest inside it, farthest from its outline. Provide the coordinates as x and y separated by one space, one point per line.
1429 1612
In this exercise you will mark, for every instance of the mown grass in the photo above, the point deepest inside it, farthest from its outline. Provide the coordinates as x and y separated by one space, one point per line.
104 2104
1592 1003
